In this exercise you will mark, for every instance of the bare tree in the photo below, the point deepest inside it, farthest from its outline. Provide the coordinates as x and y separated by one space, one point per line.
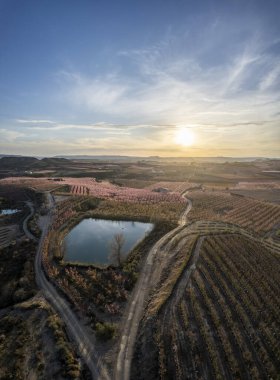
116 248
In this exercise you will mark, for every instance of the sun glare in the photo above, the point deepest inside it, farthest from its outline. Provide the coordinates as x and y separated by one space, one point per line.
184 137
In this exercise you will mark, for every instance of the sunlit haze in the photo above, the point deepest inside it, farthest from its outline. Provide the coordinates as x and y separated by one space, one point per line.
167 78
184 137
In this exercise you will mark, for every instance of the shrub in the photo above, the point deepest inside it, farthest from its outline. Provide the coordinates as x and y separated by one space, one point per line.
105 331
88 204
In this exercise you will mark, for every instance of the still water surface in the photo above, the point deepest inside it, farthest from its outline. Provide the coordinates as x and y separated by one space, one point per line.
8 211
89 241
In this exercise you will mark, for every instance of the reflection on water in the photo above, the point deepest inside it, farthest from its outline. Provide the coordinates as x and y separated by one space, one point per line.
9 211
89 241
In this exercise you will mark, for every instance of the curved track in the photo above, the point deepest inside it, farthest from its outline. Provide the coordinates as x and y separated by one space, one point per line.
122 369
157 255
24 225
82 338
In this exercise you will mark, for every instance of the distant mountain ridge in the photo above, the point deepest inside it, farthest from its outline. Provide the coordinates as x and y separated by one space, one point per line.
27 163
141 158
30 163
10 155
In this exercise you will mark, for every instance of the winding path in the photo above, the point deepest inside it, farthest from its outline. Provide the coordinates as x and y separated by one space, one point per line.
83 339
24 225
81 336
146 279
125 354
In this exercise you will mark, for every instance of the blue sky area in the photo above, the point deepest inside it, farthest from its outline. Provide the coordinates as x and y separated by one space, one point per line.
127 77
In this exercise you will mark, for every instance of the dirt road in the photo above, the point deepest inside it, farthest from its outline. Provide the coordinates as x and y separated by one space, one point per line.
82 338
24 225
122 369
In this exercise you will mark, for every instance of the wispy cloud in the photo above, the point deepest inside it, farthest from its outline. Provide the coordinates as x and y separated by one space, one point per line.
224 86
43 125
34 121
92 92
180 90
271 78
8 135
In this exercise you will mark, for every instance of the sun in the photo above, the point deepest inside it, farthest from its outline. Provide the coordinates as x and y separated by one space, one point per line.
184 136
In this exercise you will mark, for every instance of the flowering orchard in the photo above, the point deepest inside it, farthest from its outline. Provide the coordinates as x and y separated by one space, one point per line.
88 186
106 190
177 187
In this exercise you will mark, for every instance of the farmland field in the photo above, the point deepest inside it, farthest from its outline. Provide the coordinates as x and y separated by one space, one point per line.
249 213
197 297
140 190
224 324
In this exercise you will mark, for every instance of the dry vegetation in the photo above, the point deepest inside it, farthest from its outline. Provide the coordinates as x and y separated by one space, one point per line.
16 197
178 187
248 213
34 345
40 184
100 293
33 341
173 268
72 210
215 318
163 211
225 325
17 273
267 195
8 235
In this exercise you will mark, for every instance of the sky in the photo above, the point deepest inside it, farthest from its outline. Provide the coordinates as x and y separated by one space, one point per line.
151 77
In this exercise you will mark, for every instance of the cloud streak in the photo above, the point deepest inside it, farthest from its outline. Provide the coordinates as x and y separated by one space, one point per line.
222 84
179 90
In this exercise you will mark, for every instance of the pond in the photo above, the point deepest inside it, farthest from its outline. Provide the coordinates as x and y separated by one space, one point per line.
90 241
8 211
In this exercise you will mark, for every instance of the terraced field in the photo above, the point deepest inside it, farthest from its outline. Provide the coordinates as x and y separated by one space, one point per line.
221 318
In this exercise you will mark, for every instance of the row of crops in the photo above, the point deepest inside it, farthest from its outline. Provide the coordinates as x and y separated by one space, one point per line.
227 322
248 213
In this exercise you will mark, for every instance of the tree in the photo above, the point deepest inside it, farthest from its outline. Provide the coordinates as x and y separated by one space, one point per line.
116 248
